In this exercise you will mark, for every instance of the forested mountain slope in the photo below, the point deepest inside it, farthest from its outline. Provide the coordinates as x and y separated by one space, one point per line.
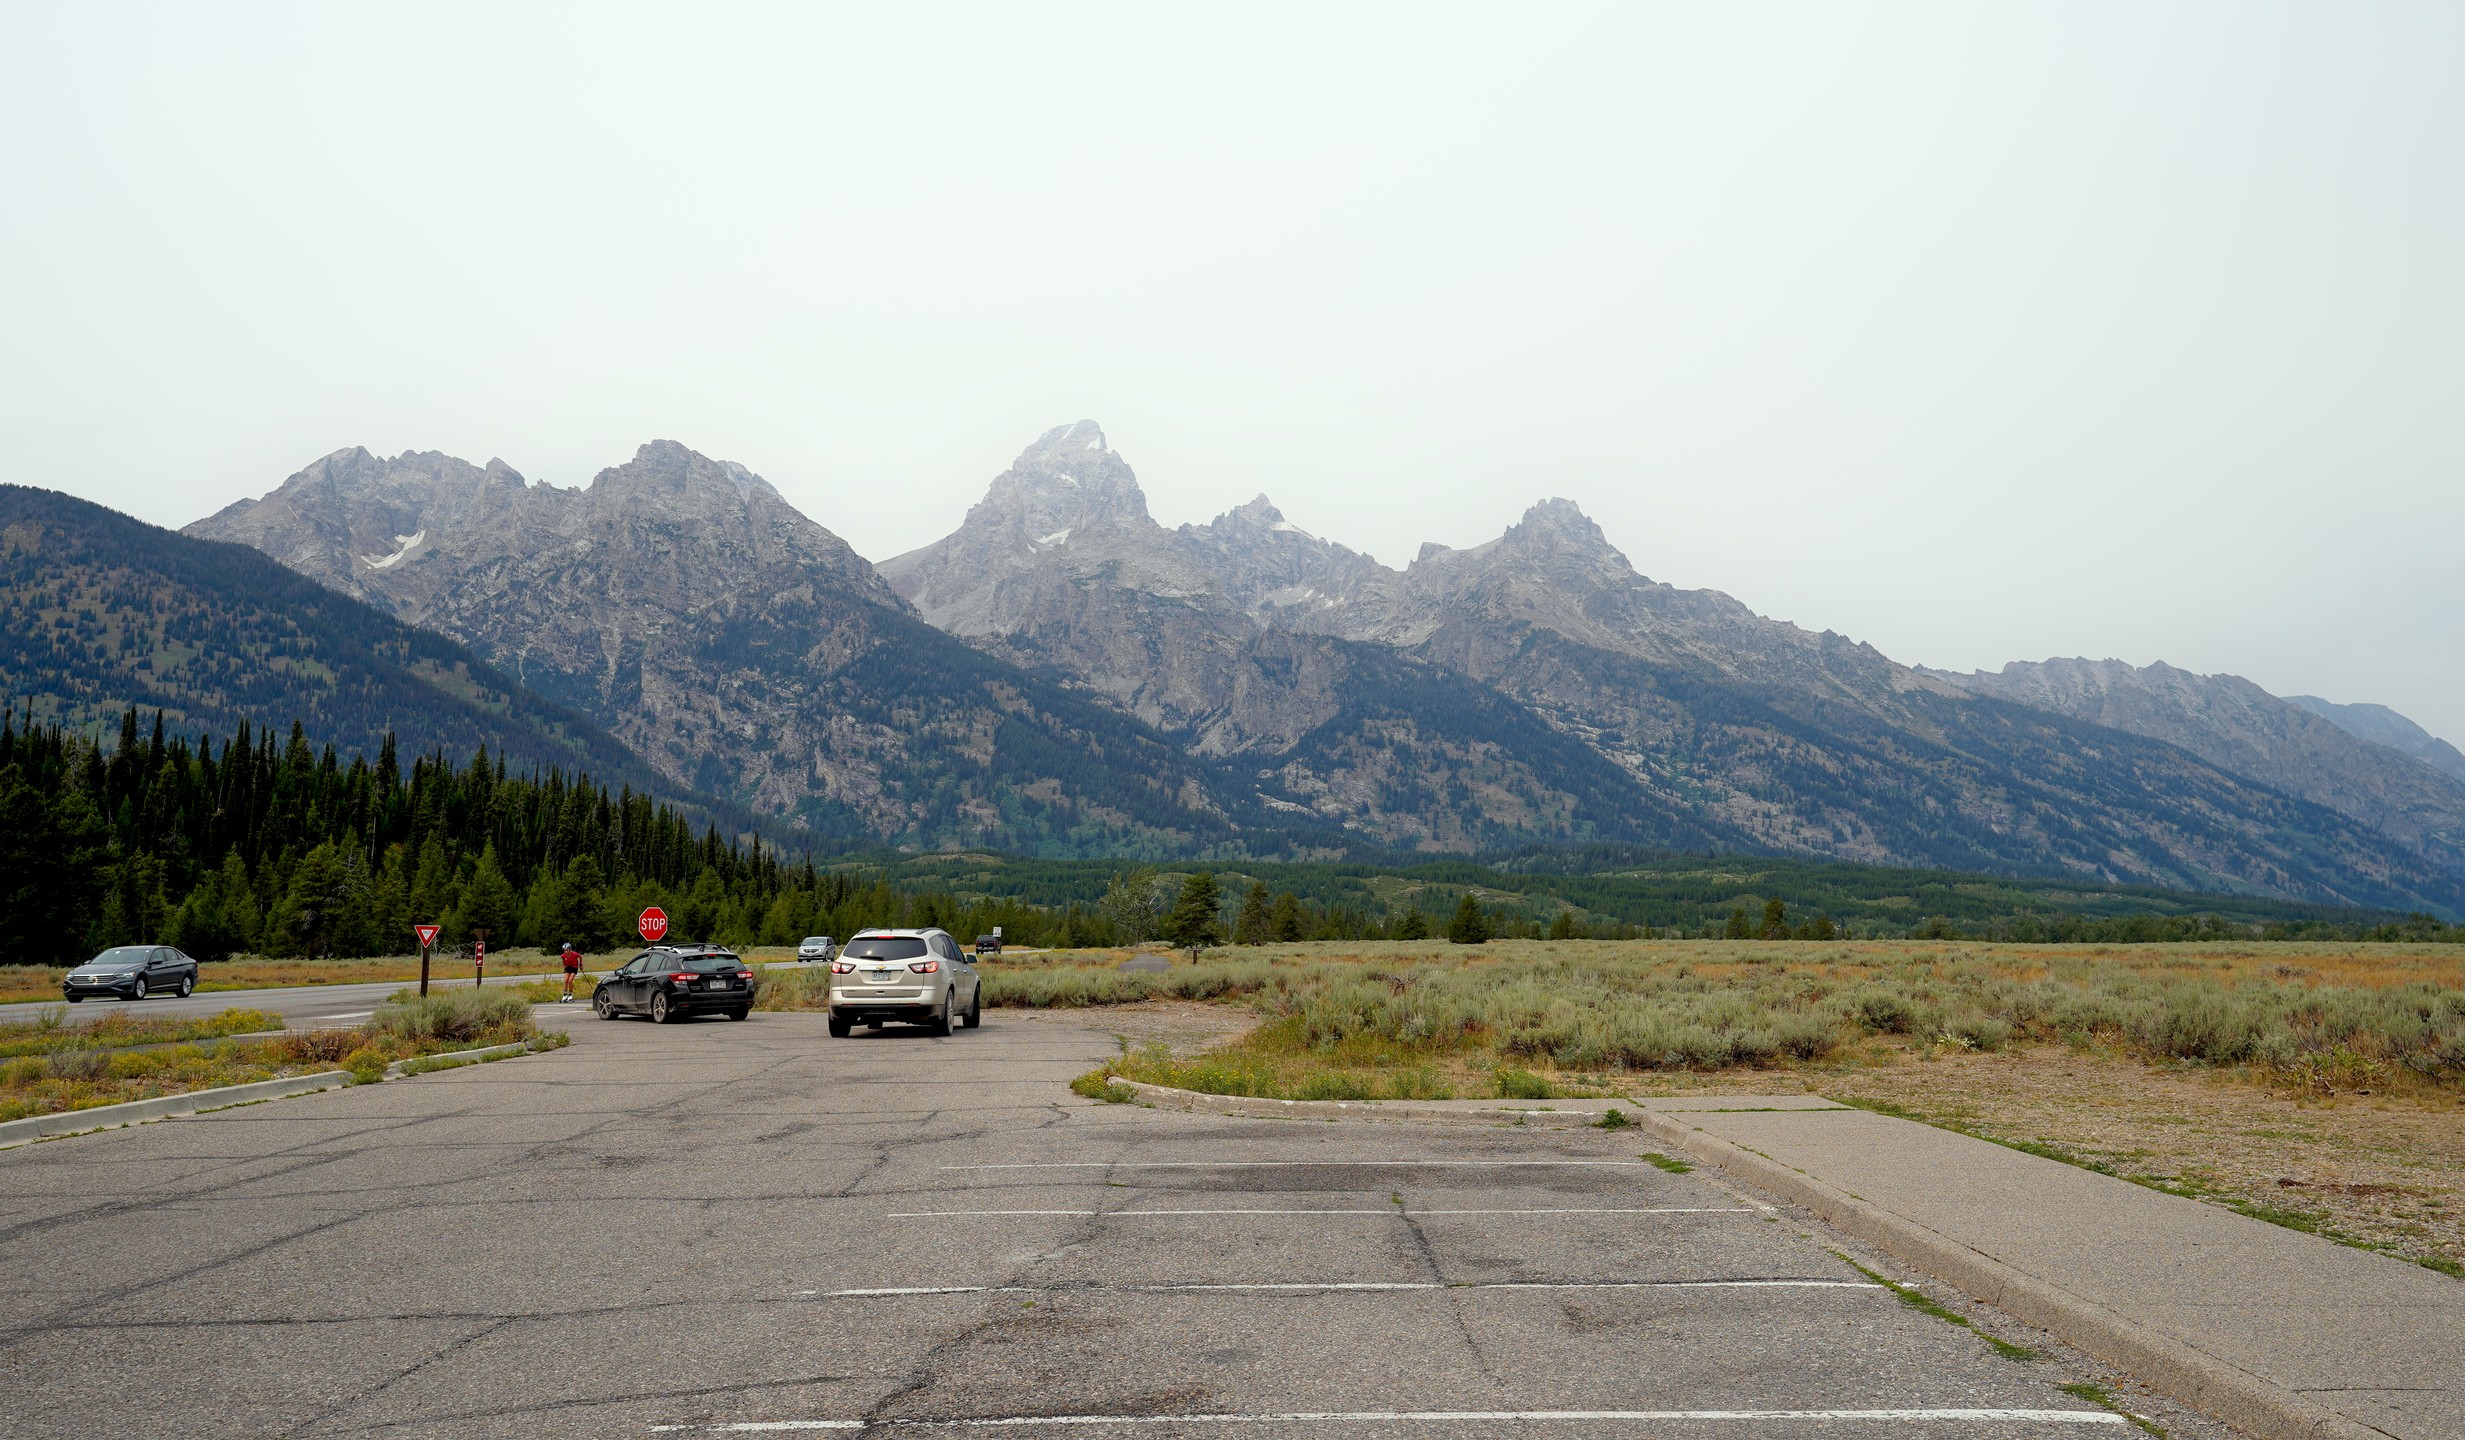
99 612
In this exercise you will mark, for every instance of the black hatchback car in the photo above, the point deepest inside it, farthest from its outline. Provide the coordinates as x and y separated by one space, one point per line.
131 972
672 982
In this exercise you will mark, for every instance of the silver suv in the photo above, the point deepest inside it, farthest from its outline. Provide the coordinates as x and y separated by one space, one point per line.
817 947
919 976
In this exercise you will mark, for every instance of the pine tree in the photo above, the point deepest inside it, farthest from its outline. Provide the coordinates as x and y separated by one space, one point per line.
1470 925
1256 926
1775 921
1413 925
1740 928
1563 927
1287 918
488 902
1192 924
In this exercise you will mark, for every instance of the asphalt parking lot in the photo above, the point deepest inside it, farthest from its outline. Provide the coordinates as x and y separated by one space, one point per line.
748 1228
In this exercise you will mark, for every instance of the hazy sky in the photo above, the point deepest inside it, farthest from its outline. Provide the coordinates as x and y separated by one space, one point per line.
1979 332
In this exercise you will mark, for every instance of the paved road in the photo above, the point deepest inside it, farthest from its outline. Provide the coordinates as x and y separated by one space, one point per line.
690 1228
302 1007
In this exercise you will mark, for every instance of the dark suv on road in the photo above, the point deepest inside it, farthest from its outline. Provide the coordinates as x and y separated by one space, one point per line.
671 982
131 972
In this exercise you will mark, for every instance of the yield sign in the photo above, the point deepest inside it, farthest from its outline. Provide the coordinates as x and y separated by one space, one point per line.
654 924
427 934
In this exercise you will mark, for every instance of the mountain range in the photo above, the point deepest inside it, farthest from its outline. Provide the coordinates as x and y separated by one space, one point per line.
1064 674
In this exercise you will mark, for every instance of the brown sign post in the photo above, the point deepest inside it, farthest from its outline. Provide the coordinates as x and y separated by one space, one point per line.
427 941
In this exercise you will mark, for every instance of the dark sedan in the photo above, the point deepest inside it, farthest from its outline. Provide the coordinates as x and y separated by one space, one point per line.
132 972
672 982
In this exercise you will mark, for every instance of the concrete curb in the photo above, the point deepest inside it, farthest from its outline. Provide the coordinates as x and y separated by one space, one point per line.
106 1117
2233 1395
193 1102
456 1059
1164 1097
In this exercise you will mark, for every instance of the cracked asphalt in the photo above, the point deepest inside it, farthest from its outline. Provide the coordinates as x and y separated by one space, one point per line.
697 1228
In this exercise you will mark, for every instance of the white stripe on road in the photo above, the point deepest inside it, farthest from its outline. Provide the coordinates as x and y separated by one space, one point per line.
1455 1417
1285 1164
1314 1286
1389 1210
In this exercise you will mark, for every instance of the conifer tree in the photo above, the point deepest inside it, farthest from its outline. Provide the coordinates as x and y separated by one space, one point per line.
1287 918
1413 925
1740 928
1192 924
1470 925
488 902
1775 921
1256 924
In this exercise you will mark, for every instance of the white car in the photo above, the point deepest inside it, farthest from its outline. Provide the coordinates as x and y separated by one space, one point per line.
921 977
817 947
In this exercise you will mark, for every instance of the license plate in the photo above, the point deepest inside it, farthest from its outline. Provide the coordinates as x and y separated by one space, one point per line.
881 977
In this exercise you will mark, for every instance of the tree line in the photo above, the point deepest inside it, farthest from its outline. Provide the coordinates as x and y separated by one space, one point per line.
268 844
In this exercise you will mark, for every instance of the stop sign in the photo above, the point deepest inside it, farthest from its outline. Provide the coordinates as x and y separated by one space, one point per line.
654 924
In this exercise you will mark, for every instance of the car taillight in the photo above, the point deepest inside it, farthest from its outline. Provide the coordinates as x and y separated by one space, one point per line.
682 975
841 967
744 974
925 967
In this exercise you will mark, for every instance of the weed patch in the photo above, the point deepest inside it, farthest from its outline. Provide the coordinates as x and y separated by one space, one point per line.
1916 1300
2100 1396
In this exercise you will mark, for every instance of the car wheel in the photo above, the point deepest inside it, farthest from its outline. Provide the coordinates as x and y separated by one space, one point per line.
188 986
138 990
975 1008
740 1014
947 1020
660 1011
605 1007
839 1028
77 999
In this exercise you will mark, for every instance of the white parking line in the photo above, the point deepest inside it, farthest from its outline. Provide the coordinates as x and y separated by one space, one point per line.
1387 1210
1315 1286
1290 1164
1453 1417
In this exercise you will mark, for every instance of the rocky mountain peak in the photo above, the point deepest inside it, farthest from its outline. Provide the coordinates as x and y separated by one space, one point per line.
678 476
1068 480
1259 512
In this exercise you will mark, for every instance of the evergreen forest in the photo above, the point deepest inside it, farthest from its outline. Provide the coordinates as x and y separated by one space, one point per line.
272 844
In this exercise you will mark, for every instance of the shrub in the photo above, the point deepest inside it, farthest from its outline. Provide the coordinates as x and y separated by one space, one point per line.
456 1017
1522 1085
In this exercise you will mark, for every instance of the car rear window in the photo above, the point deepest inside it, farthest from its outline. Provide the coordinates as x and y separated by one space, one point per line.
707 963
885 947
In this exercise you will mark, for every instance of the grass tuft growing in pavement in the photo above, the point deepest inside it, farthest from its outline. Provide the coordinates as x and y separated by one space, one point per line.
1660 1161
1917 1300
1099 1084
2101 1396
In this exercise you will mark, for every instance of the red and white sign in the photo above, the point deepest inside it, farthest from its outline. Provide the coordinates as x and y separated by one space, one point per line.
654 925
427 934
